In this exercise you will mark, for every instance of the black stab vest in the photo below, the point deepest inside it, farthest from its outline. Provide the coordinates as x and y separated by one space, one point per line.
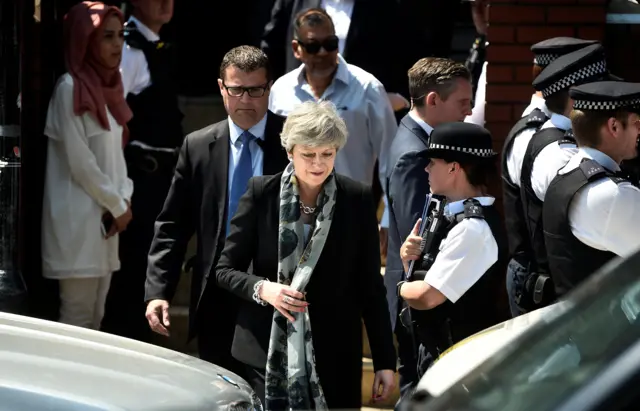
570 260
531 204
157 119
519 243
445 325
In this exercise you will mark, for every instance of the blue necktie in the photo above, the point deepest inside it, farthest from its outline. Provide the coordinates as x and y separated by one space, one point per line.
241 175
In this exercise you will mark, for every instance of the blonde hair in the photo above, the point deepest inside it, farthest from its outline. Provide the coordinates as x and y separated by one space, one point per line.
314 124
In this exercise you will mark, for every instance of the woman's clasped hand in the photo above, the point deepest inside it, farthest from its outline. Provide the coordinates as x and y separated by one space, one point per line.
283 298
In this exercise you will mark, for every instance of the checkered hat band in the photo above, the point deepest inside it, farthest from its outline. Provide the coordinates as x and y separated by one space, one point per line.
605 105
587 72
482 152
544 59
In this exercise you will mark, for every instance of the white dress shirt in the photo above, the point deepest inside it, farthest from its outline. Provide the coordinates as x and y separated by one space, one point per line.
466 253
133 66
340 12
86 176
551 158
604 215
423 124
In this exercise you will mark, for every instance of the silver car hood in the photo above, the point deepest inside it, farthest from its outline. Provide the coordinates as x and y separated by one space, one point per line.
52 366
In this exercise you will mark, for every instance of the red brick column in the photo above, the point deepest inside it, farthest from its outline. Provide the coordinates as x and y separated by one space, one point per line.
514 26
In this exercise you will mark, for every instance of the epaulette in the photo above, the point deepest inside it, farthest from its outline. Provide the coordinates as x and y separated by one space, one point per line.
472 208
568 138
592 170
536 118
133 37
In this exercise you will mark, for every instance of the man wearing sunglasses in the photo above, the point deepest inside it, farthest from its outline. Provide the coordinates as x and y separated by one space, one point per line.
360 98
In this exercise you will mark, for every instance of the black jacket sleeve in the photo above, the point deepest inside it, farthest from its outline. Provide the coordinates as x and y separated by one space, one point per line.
174 227
375 312
240 247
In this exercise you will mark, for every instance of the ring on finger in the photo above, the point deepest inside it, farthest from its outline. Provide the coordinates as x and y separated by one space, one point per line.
286 299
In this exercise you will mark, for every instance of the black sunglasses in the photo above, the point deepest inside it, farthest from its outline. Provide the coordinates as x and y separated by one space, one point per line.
330 44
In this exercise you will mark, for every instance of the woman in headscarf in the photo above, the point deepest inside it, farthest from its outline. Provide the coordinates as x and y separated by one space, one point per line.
87 192
311 236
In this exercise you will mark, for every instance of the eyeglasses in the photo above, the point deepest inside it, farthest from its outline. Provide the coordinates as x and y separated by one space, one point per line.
238 91
330 44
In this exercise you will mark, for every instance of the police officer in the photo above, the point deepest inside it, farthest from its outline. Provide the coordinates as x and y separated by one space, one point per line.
545 52
516 142
549 150
595 209
451 302
155 137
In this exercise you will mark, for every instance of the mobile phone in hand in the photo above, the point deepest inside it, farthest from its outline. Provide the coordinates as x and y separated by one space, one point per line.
106 224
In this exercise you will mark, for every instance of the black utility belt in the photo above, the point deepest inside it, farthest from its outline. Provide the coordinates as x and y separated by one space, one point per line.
435 336
151 160
538 291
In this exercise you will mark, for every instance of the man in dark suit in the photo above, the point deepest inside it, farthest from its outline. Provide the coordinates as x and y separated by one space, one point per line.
213 169
440 92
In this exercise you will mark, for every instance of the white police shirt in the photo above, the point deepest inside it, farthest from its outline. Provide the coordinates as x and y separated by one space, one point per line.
466 253
134 67
515 154
551 158
603 214
537 102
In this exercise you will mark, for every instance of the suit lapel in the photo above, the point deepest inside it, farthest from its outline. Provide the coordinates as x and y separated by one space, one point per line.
416 129
219 151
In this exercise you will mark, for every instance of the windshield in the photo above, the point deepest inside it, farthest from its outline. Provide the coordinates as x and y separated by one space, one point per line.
555 359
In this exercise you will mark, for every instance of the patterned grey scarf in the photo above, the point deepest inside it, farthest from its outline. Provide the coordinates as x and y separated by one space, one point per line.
291 378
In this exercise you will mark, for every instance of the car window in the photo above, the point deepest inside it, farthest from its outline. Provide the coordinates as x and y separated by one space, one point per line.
555 359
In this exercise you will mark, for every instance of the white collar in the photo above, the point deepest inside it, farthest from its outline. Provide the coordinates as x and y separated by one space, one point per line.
426 127
457 207
257 130
600 157
539 103
560 121
144 30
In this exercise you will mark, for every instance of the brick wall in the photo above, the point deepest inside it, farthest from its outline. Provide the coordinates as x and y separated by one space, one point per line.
514 26
621 42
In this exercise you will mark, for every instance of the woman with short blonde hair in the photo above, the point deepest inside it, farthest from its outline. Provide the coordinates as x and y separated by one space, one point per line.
312 237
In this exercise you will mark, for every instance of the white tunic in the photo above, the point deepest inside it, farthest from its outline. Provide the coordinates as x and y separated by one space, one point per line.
86 175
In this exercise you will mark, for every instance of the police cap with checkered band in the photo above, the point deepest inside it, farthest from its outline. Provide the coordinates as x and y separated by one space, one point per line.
548 50
581 66
606 96
459 141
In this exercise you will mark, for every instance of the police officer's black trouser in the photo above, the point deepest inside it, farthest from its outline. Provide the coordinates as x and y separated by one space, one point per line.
125 306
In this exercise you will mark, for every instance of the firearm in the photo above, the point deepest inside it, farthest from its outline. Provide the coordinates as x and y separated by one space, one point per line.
430 231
